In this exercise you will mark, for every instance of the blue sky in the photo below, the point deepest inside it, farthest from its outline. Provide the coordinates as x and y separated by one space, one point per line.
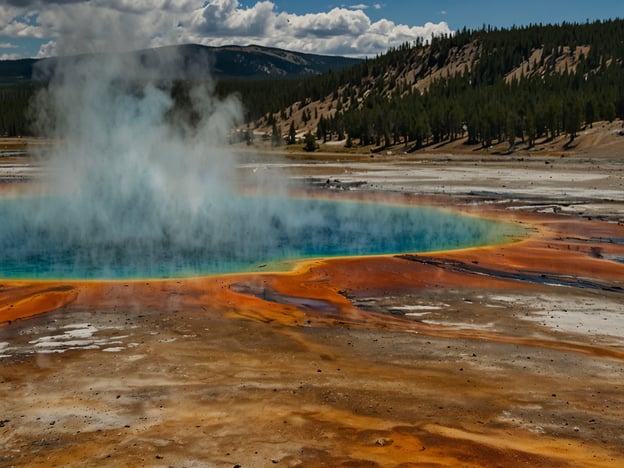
38 28
472 13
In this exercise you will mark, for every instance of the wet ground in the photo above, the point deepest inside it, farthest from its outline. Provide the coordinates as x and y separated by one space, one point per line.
509 355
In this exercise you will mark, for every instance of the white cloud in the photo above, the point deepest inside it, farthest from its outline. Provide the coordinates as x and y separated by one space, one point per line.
224 17
337 22
73 26
7 45
49 49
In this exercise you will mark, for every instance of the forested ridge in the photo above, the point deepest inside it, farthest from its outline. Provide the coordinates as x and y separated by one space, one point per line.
489 85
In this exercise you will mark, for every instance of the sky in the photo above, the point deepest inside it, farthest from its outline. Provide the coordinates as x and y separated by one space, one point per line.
360 28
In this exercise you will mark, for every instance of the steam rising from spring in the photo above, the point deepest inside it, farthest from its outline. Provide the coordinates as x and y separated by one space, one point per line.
130 170
136 167
141 187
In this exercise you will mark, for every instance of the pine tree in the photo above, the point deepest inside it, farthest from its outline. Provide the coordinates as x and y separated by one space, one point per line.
309 142
292 134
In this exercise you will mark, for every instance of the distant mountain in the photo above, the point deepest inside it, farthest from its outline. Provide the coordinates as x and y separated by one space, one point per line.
196 62
258 62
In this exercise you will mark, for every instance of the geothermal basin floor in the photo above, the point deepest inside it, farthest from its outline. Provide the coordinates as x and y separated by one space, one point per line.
509 355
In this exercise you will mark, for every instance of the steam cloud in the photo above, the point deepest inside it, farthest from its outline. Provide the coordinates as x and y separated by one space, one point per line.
135 167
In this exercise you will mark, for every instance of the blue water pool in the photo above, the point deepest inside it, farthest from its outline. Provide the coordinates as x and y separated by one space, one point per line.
56 237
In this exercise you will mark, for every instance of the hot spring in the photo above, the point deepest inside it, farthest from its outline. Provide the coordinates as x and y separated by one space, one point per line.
140 180
237 234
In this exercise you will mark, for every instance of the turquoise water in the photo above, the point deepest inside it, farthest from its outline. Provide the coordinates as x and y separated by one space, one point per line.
57 238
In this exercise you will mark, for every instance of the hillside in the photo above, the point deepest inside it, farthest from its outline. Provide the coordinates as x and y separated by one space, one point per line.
506 90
